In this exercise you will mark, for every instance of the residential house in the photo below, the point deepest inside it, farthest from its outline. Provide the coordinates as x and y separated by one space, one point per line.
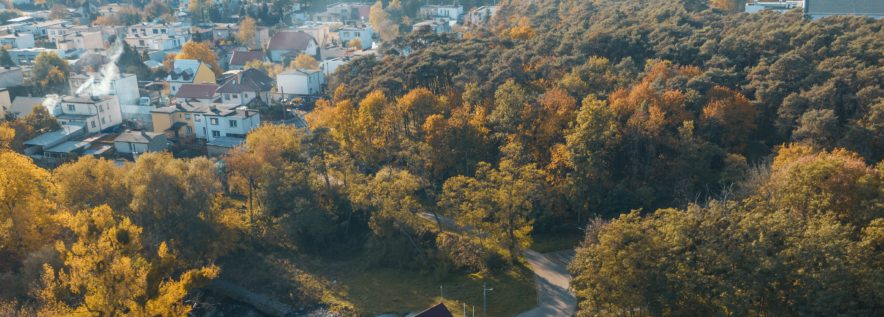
321 33
85 41
137 142
363 33
224 31
124 86
245 87
41 29
434 26
23 106
206 93
11 77
220 121
450 12
95 114
328 66
349 11
176 121
480 15
27 56
158 36
440 310
817 9
189 71
290 44
221 145
299 82
776 6
239 59
17 40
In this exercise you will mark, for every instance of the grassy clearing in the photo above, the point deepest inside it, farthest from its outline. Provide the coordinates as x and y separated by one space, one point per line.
556 241
376 290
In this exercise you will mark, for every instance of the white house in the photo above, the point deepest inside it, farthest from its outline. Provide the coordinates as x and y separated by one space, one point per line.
125 86
776 6
242 87
301 82
93 113
158 36
363 33
451 12
329 66
434 26
17 40
87 41
218 121
480 15
137 142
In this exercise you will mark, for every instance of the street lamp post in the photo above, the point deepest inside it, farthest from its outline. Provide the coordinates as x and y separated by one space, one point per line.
485 291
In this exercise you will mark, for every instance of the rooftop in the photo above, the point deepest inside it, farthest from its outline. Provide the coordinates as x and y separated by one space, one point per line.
226 141
136 137
53 137
68 146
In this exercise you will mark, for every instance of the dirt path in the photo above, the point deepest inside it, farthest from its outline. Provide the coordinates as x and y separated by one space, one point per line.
552 278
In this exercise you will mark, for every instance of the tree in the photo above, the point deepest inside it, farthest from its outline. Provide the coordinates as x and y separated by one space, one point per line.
304 61
199 9
201 51
380 21
496 203
156 9
355 44
5 59
817 128
50 72
107 272
246 34
25 209
90 182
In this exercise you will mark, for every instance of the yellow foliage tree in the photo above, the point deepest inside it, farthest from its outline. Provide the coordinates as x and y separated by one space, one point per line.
304 61
107 273
25 210
201 51
246 34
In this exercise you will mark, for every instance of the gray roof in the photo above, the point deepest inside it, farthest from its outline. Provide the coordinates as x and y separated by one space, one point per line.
23 106
69 146
136 137
55 137
226 141
844 7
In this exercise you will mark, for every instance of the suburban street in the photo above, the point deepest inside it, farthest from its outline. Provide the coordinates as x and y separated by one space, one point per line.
552 278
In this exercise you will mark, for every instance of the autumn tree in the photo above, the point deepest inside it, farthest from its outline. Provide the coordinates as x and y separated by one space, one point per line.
91 182
50 72
26 218
497 203
5 59
201 51
246 34
107 271
304 61
380 21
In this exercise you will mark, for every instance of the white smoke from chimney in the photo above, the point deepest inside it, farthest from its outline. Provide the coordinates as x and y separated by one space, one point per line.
85 85
109 73
50 101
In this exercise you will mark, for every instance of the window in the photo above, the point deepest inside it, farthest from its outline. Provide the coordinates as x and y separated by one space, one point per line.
102 121
233 123
72 108
140 42
216 133
226 97
235 96
187 116
155 31
189 130
101 108
93 123
213 121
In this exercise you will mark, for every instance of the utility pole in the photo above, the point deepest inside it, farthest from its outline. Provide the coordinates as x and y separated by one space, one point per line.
464 309
485 291
441 294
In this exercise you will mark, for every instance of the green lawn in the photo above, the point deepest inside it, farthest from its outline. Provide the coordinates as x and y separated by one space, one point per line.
375 290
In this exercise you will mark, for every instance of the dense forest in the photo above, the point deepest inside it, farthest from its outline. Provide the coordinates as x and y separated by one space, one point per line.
720 163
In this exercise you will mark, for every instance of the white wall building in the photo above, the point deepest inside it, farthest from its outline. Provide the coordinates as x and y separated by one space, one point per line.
87 41
17 40
125 87
93 113
363 33
300 82
453 12
218 121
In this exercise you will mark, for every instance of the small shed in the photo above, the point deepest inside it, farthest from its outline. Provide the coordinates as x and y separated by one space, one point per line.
219 146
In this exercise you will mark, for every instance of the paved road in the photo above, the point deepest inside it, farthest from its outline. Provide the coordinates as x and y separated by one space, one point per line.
551 276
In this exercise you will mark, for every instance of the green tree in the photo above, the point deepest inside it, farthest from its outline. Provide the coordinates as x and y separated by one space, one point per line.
50 73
